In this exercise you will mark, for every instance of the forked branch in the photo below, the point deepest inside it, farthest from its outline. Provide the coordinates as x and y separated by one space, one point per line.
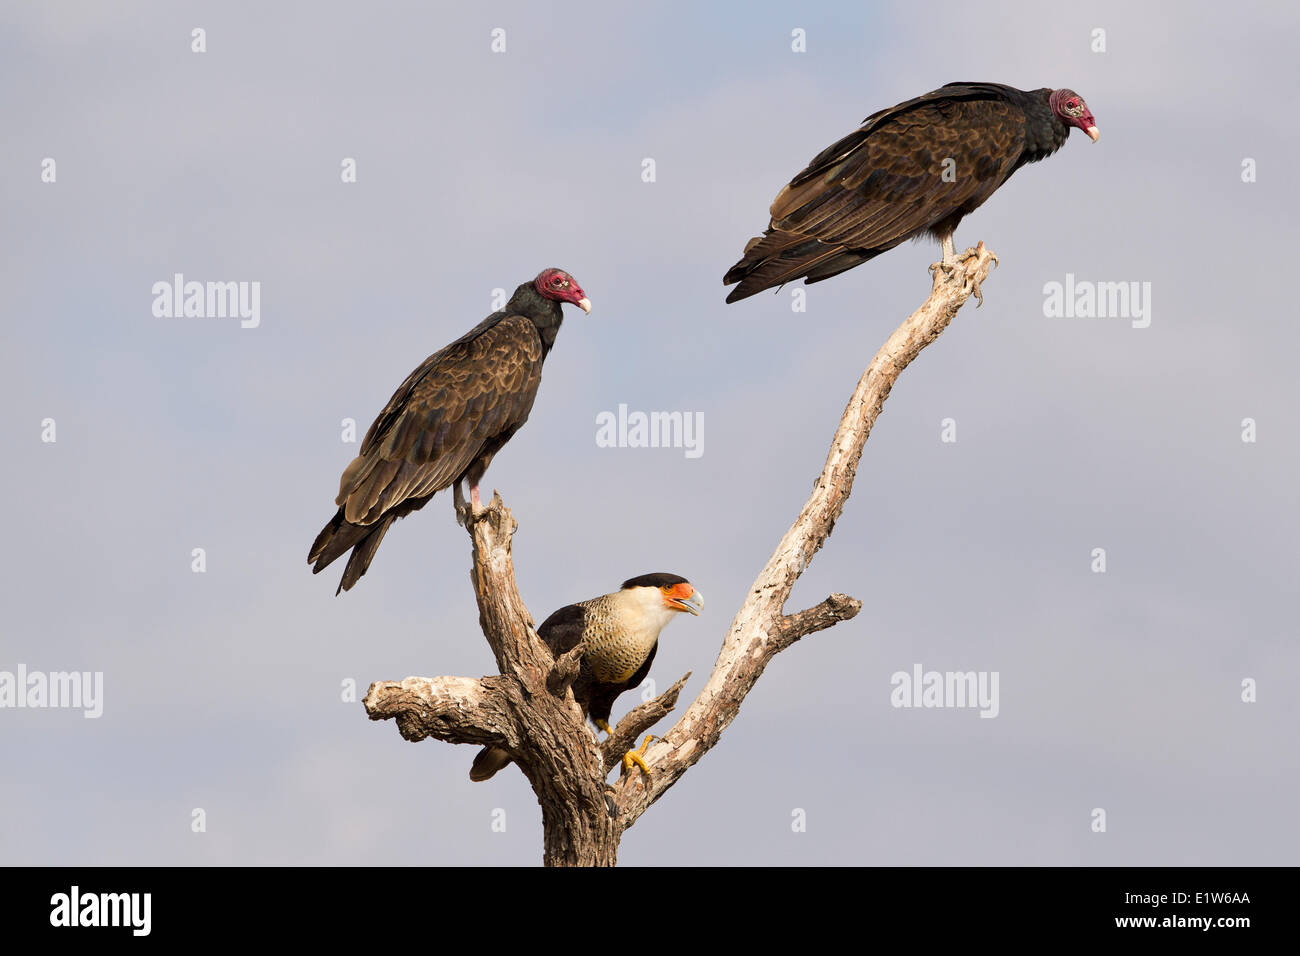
529 710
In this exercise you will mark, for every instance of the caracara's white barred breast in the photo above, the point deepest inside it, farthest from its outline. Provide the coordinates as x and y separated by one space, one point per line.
616 646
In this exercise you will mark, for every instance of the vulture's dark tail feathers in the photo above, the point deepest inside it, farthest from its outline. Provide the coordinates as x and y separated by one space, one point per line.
340 535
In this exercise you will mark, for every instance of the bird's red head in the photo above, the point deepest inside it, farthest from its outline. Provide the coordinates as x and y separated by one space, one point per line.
1071 110
559 285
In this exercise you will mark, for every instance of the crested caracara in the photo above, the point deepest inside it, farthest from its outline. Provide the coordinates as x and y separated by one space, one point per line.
621 631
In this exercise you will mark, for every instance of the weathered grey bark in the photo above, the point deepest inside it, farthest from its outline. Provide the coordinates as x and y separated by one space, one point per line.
528 710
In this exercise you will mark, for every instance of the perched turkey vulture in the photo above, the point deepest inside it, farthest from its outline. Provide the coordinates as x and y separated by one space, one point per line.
446 421
915 169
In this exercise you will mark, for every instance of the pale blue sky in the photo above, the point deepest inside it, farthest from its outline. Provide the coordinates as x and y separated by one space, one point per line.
477 170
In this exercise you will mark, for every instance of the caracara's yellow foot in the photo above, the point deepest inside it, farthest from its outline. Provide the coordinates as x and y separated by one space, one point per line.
637 757
603 725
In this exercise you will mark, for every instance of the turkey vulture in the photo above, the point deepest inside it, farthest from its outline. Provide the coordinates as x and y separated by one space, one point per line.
621 631
915 169
445 422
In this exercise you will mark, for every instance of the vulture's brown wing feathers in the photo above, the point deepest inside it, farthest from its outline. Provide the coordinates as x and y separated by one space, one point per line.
451 415
885 183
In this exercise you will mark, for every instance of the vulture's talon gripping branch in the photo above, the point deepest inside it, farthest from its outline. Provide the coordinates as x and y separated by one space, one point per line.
462 508
949 261
974 253
637 757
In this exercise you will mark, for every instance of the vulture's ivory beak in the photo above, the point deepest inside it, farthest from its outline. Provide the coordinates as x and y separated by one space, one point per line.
585 304
1094 134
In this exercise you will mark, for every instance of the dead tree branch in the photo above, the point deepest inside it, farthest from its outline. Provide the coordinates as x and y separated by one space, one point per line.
528 709
638 720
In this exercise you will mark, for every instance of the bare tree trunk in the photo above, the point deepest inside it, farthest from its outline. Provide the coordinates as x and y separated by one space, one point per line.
528 709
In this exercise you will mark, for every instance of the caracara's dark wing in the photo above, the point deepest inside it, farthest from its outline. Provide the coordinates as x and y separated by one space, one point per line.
452 413
561 631
564 629
884 183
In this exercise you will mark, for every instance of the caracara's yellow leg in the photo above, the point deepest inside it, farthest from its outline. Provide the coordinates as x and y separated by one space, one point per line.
637 757
603 725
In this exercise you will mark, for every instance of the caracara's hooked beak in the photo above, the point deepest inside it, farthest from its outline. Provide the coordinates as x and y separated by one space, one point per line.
685 598
585 304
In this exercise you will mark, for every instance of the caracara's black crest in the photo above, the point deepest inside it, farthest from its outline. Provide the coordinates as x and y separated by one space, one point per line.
659 579
911 170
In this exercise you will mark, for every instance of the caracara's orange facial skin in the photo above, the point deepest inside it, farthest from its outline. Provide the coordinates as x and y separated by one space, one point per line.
679 597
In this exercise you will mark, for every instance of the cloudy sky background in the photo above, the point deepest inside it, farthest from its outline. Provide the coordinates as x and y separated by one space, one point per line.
222 690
